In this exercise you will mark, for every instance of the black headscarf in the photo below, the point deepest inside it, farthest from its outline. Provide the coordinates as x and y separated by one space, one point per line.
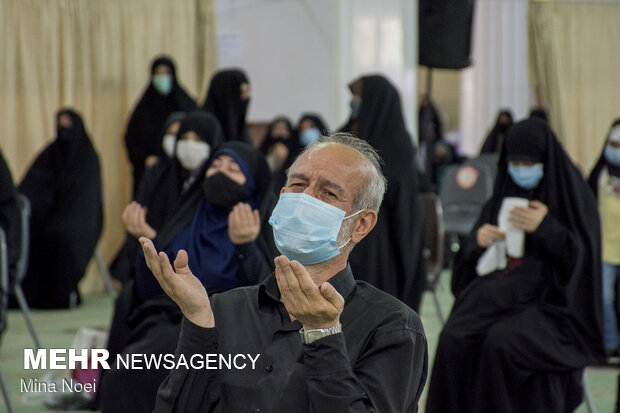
143 137
495 139
601 162
540 113
292 144
574 292
224 101
171 120
64 188
390 257
316 119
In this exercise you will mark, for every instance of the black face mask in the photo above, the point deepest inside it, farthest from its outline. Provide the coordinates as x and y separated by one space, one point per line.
65 134
221 191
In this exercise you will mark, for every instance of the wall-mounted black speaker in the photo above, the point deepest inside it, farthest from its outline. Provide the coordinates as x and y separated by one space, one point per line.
444 39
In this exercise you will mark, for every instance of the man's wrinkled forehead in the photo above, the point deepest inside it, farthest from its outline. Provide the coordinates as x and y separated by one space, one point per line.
334 156
337 161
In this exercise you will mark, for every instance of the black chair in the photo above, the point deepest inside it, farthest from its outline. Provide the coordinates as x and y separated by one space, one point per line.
4 305
464 191
22 266
433 245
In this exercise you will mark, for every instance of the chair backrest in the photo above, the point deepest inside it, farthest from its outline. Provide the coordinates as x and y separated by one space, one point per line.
433 237
489 159
464 191
4 280
22 263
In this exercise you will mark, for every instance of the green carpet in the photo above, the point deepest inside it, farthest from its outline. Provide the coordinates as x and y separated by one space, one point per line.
57 329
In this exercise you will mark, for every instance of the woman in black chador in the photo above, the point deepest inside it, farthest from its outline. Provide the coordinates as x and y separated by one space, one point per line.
228 98
390 258
518 339
64 188
162 97
494 141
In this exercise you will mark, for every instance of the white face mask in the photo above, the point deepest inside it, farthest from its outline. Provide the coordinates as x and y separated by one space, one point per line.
168 144
192 154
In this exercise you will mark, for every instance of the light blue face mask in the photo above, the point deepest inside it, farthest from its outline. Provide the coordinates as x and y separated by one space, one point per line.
306 229
612 155
526 176
163 84
309 136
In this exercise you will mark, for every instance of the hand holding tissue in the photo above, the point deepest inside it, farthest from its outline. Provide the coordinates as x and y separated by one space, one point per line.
494 258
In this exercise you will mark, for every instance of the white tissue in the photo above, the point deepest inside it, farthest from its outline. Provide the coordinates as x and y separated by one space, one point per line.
494 258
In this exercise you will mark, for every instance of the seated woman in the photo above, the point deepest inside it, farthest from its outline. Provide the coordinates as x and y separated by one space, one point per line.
224 228
517 339
64 188
166 183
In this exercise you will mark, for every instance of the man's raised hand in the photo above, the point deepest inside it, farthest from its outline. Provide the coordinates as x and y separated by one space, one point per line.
314 307
181 286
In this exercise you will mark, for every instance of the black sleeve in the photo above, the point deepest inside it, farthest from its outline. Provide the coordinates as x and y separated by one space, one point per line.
191 390
557 241
134 141
389 377
464 268
252 264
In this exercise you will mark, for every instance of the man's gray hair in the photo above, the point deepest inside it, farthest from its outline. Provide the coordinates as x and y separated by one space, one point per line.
371 194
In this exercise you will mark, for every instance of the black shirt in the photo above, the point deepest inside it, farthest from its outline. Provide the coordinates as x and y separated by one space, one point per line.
377 364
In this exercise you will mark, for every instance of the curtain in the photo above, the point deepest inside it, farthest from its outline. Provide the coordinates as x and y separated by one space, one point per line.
574 68
94 56
498 77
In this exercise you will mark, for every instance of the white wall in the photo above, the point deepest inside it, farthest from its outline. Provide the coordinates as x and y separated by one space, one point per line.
300 54
498 77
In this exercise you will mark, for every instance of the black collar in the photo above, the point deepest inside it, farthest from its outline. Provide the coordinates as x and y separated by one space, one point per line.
343 282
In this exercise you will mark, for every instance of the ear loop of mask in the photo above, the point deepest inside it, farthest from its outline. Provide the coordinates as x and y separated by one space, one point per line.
349 240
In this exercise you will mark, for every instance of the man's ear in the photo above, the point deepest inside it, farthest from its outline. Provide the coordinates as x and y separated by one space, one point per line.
364 224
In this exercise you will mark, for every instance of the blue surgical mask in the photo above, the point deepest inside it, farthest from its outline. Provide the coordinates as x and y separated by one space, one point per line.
356 105
306 229
612 155
309 136
163 84
526 176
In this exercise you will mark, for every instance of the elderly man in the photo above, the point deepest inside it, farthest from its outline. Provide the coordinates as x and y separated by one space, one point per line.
326 343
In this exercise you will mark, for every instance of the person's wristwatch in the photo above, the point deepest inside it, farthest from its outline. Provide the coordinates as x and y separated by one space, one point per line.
317 333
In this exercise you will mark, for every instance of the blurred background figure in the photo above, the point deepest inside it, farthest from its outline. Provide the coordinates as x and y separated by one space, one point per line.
435 151
494 141
228 98
390 258
310 128
9 217
280 147
540 112
64 188
163 96
605 182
